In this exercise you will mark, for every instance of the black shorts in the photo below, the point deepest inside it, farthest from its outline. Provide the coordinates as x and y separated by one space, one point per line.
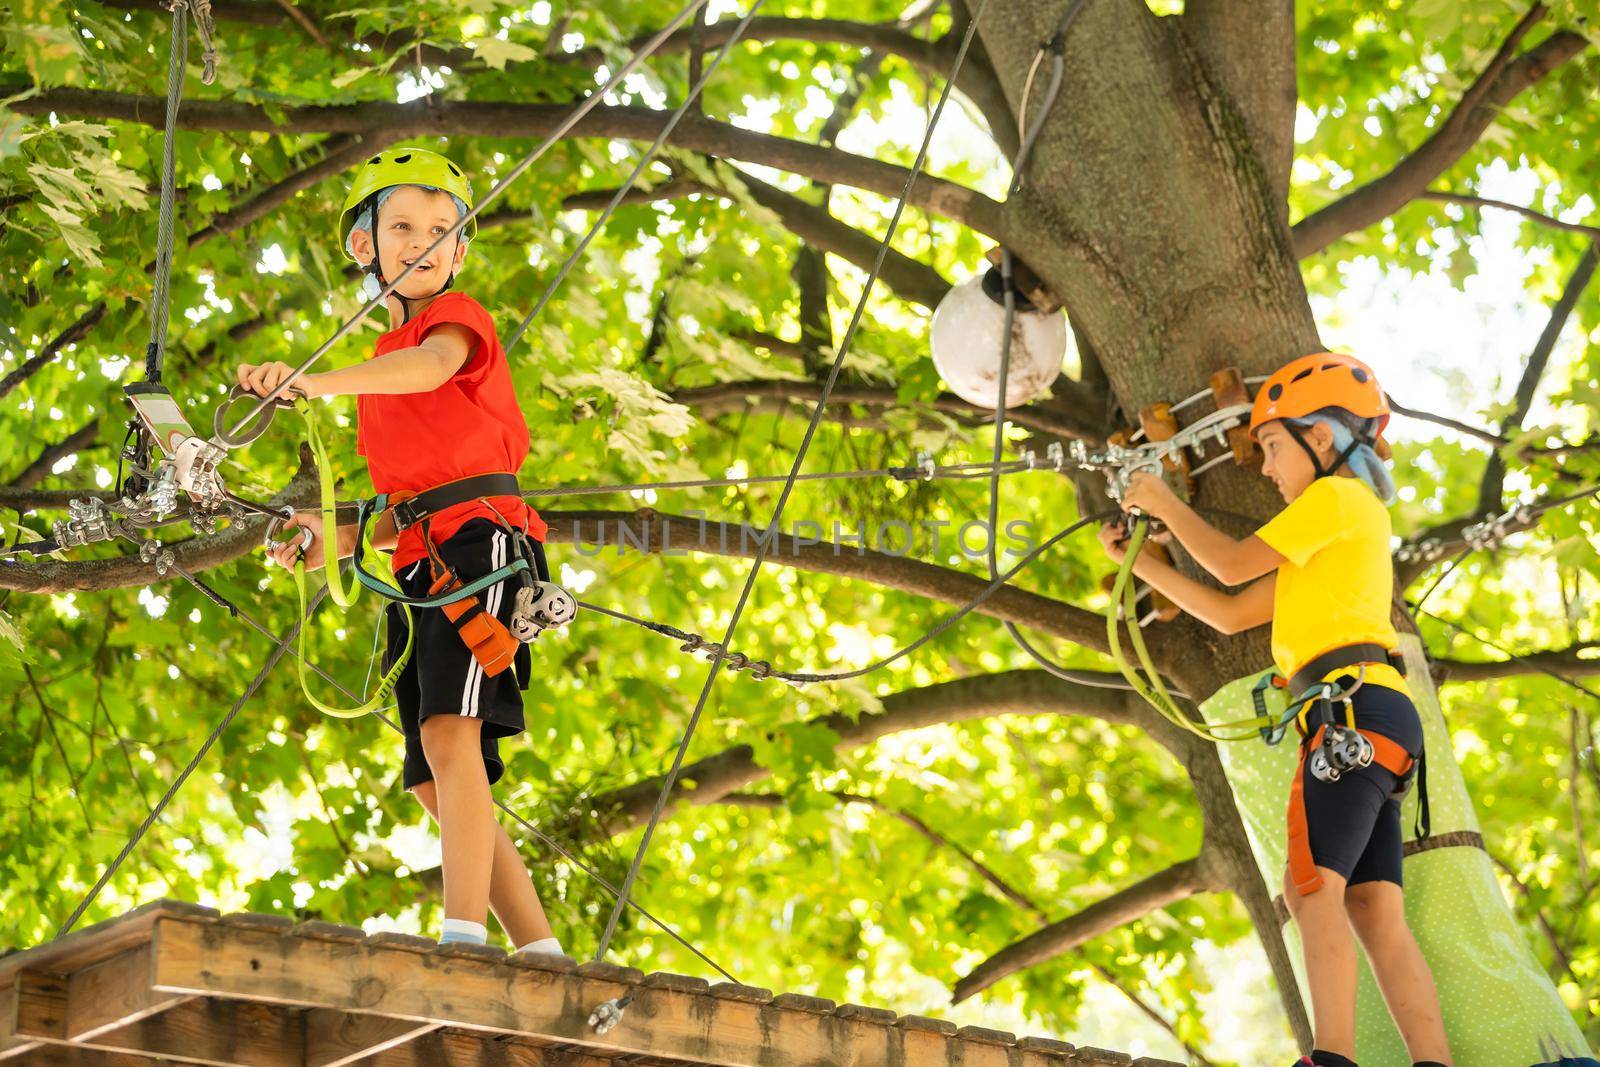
442 677
1354 823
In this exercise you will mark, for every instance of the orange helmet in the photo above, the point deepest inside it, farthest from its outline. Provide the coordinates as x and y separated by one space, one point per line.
1320 380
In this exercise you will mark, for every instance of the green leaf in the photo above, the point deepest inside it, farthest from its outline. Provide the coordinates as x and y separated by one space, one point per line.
496 52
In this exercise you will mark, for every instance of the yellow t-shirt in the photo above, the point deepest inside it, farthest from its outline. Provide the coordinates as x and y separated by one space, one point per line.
1337 581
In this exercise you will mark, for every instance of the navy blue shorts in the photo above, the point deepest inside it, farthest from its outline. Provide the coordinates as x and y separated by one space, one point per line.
1354 823
442 677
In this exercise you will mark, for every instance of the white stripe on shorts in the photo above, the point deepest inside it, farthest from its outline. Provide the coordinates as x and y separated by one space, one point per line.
474 682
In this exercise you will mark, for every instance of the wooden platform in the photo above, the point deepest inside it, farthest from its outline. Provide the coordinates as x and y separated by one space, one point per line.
177 983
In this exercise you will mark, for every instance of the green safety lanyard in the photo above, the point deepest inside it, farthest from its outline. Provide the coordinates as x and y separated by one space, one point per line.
1149 685
341 596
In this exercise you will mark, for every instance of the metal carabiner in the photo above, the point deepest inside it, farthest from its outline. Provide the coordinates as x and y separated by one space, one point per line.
238 394
275 526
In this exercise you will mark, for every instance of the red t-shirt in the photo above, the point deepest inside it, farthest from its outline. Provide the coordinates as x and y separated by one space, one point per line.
470 425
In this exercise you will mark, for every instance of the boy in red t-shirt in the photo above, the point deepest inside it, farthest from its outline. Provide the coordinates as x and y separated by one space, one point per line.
435 405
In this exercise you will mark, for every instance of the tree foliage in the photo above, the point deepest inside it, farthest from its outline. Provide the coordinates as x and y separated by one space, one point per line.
968 831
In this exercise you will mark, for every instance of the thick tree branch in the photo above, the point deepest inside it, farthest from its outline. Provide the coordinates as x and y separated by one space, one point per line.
1501 81
932 58
40 468
909 278
645 531
1492 487
1178 882
1570 661
1488 437
71 335
1047 416
194 554
1447 197
650 531
1024 692
430 117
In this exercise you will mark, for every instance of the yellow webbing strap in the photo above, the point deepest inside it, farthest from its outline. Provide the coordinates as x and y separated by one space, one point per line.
1150 686
342 598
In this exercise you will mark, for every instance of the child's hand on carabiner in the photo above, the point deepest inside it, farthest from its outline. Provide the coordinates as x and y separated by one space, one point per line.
286 553
1148 493
263 378
1114 539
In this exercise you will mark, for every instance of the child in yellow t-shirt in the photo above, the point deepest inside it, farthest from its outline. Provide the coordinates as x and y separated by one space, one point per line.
1320 573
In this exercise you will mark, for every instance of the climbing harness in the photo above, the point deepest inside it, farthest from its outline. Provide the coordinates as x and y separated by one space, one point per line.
539 604
1332 746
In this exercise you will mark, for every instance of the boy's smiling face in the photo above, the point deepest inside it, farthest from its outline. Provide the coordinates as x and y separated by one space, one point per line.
410 220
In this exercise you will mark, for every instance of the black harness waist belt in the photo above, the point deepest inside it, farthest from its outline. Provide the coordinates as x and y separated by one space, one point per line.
1344 656
414 509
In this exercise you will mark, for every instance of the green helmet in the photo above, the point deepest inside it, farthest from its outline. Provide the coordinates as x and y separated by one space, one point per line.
402 166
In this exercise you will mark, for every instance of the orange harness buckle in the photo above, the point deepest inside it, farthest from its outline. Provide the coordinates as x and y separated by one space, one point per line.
488 639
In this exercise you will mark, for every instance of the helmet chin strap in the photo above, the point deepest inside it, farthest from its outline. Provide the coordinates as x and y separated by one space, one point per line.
1316 461
373 284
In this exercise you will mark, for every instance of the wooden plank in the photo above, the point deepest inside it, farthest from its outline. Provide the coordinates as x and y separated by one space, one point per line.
113 993
11 1046
100 941
336 1038
455 1048
491 995
74 1056
218 1032
104 996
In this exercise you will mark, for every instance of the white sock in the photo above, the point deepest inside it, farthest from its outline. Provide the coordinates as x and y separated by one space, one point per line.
459 931
546 946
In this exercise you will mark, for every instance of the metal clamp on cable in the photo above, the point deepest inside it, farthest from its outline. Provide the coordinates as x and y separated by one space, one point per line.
541 606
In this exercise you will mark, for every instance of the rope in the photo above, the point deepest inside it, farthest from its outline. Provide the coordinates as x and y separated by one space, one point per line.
1151 687
561 130
1055 47
172 790
765 670
160 295
783 499
644 161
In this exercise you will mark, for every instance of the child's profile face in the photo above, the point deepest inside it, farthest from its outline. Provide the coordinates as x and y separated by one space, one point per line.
410 220
1286 463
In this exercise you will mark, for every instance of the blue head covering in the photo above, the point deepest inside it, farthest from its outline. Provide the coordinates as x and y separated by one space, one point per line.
1353 439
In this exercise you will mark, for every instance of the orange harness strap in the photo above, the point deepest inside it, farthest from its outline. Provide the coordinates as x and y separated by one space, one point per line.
488 639
1302 867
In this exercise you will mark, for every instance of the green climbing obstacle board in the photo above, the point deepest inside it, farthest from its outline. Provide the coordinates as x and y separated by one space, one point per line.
1497 1001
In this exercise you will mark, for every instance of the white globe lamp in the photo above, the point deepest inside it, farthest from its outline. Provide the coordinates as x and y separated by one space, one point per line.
967 331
